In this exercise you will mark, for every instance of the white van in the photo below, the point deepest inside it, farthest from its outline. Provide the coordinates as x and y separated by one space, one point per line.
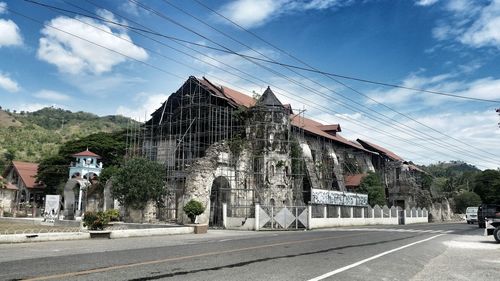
471 215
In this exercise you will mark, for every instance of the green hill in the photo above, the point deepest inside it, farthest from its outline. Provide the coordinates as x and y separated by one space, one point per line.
31 136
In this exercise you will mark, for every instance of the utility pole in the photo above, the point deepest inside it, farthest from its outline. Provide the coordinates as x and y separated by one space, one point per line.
498 111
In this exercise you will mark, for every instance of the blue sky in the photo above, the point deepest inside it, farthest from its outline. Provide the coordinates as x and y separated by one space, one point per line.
449 46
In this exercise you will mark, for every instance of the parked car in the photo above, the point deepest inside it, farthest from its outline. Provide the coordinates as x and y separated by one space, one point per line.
486 211
471 214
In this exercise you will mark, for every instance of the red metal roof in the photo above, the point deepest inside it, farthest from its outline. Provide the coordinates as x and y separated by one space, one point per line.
27 171
332 127
380 150
311 126
354 180
86 153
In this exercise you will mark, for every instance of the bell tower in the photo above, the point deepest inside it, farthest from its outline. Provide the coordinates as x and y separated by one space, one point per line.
86 165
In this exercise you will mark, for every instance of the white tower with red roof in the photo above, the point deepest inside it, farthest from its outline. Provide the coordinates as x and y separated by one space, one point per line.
86 165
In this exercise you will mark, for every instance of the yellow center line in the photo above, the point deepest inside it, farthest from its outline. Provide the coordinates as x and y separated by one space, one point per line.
115 267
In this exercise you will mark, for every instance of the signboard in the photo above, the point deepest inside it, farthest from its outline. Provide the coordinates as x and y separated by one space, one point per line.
52 204
332 197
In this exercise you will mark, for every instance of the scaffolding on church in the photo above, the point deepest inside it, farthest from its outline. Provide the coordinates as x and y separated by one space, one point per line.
200 115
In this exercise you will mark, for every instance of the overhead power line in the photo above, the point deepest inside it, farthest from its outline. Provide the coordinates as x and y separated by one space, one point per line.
308 69
283 76
329 75
155 68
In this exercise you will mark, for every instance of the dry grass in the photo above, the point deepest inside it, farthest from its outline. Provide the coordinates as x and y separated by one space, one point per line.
27 228
8 121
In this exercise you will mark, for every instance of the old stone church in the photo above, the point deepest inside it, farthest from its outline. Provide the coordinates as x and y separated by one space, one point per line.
221 146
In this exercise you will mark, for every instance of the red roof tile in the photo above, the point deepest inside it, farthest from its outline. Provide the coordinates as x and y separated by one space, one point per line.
238 97
313 127
380 150
332 127
27 172
86 153
308 125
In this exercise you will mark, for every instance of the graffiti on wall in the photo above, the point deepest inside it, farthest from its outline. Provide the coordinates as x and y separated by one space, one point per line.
332 197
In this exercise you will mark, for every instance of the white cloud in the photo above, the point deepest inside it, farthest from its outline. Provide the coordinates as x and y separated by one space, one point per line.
425 2
483 88
51 95
73 55
485 31
478 129
3 7
471 23
253 13
149 102
130 7
8 84
102 85
10 33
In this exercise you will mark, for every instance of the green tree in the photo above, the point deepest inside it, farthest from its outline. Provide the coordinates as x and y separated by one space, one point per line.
487 186
372 185
53 170
466 199
139 181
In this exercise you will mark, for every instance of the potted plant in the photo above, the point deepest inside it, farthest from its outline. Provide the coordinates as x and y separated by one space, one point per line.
96 222
193 209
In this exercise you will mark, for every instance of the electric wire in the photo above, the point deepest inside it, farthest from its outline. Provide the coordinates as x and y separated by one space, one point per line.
438 142
353 78
161 15
108 48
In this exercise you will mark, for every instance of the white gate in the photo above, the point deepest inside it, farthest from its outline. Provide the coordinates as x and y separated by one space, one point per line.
282 218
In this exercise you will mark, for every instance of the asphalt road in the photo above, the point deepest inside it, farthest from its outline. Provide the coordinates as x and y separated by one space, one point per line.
414 252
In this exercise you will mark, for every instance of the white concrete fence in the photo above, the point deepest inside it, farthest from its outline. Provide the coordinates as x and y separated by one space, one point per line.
325 216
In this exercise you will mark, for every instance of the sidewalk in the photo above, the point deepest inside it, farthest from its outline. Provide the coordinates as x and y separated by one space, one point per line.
467 257
22 230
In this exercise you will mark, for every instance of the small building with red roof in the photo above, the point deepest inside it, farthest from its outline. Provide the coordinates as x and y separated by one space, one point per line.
22 184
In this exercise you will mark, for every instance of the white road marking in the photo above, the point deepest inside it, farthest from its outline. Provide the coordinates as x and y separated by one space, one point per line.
342 269
397 230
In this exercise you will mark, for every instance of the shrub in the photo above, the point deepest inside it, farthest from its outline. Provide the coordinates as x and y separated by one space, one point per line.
113 214
95 221
193 208
7 214
466 199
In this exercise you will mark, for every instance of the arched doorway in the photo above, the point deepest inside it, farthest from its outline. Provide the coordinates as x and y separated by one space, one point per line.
220 193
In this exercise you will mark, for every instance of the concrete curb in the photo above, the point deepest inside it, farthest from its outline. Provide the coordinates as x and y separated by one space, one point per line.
125 233
61 236
42 237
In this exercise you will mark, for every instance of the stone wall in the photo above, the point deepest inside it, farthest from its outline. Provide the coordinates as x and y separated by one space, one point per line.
7 200
441 211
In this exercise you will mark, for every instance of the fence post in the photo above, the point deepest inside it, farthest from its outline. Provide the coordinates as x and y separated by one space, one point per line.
324 212
339 215
272 217
309 216
351 211
373 213
404 213
362 213
224 215
257 217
